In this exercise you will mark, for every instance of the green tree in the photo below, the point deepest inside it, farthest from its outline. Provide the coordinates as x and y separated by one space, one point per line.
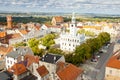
104 37
82 53
33 44
20 44
48 40
87 33
55 51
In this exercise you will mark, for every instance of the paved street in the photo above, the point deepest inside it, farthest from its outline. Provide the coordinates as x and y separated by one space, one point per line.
101 64
96 70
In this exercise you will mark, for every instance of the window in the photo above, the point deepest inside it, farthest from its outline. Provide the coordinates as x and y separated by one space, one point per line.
65 43
110 71
69 44
75 40
7 61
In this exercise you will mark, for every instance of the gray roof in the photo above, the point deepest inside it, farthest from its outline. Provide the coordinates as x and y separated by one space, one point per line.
118 41
5 75
19 51
51 58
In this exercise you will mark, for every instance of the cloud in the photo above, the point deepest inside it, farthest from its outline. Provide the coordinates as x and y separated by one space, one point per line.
65 5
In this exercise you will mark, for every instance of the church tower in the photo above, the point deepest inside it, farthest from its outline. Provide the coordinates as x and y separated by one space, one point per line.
73 29
9 22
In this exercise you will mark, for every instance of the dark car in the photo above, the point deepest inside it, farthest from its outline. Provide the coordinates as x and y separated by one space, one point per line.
94 59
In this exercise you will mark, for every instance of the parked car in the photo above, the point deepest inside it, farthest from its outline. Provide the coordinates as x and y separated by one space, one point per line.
94 59
100 51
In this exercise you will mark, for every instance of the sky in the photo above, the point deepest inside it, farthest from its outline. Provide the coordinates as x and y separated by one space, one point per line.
78 6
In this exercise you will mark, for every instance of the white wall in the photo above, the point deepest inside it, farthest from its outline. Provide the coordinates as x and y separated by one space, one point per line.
69 42
9 62
112 71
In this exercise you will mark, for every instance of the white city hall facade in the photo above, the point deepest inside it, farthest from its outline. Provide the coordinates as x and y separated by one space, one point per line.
69 41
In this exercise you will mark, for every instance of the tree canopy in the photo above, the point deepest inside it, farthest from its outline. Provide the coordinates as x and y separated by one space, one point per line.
48 40
33 44
88 48
87 33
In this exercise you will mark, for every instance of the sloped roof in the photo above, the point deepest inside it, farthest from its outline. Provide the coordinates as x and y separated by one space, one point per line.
93 27
2 34
42 70
5 75
24 31
68 71
58 18
19 51
48 26
12 36
31 59
51 58
37 27
4 50
18 69
114 61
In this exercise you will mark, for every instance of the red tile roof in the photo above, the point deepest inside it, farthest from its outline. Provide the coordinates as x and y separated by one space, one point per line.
42 71
24 31
11 36
4 50
37 27
18 69
48 26
59 18
68 71
31 59
114 61
2 34
79 26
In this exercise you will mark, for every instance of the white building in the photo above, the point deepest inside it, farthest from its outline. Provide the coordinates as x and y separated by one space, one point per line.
69 41
16 56
109 30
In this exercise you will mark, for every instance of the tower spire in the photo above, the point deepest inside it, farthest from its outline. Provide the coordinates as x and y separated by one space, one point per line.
73 18
73 30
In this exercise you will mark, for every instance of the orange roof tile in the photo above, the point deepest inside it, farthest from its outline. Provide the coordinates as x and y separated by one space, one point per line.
59 18
37 27
79 26
24 31
31 59
68 71
4 50
16 35
2 34
18 69
42 71
114 61
48 26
